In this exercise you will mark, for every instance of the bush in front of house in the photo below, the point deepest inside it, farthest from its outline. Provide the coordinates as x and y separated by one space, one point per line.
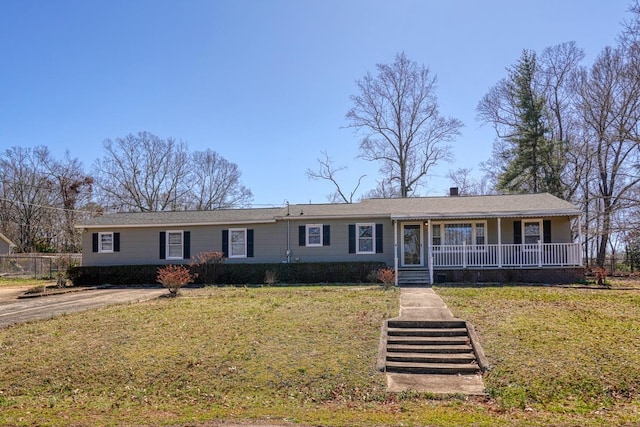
174 277
232 274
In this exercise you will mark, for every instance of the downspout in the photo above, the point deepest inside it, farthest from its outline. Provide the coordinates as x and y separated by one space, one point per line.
395 252
288 236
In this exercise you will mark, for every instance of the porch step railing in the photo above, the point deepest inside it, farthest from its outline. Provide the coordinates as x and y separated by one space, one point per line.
507 255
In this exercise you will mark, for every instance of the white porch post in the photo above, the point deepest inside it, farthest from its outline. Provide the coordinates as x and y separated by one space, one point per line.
429 253
395 251
499 242
580 254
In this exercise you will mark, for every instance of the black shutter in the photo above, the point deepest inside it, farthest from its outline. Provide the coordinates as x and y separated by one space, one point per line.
352 238
379 238
94 239
302 238
249 243
116 242
163 245
517 232
225 243
326 235
186 245
546 231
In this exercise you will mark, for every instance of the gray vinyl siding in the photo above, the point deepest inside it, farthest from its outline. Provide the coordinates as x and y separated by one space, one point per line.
4 247
338 250
141 246
560 229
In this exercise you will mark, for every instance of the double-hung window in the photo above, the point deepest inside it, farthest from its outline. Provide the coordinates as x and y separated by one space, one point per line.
237 243
175 245
105 241
532 231
459 234
366 237
314 234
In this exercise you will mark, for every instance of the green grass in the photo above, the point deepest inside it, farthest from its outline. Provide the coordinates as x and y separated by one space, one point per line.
24 281
307 355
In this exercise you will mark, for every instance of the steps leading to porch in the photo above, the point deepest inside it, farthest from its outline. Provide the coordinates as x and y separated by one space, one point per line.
413 276
429 347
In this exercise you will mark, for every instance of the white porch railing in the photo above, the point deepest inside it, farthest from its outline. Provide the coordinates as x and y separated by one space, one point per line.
507 255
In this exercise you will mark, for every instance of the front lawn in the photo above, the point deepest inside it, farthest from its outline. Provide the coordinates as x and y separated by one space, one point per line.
307 355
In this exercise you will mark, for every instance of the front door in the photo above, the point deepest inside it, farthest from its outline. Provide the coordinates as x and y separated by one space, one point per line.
412 245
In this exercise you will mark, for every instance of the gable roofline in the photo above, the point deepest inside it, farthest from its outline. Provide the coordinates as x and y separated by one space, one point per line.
6 239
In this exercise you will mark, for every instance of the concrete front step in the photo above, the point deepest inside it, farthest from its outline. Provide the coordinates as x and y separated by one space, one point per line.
445 358
435 324
433 368
427 332
446 349
429 347
418 340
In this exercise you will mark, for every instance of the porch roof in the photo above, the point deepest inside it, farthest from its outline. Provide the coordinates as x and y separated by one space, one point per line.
503 206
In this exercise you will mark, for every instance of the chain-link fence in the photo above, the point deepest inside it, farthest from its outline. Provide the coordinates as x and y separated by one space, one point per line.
35 265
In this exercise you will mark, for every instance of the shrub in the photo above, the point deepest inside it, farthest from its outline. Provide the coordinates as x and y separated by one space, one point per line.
174 277
271 277
387 276
203 261
231 273
600 275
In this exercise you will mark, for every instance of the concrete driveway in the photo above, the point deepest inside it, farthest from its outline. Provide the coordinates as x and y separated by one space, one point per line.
14 310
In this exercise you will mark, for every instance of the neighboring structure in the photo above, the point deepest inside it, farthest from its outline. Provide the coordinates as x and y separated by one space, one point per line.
523 238
6 245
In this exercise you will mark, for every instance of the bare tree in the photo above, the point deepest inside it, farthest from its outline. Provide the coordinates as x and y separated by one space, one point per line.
327 171
610 109
142 173
26 196
466 183
215 183
397 111
73 189
532 112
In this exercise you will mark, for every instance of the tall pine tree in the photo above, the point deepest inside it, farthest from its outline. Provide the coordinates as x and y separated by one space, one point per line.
529 161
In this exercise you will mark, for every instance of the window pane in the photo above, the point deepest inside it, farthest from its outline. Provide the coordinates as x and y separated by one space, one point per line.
238 246
531 232
237 236
365 245
479 234
366 231
175 251
457 234
365 238
106 242
175 238
314 235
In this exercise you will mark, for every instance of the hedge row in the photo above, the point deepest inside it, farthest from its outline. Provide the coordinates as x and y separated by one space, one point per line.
231 274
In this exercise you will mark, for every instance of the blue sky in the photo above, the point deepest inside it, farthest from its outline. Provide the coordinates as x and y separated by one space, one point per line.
265 83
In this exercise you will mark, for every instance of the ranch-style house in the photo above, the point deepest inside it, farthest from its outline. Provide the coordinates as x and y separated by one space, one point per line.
497 238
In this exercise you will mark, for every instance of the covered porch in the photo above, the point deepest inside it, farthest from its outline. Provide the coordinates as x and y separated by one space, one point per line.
425 247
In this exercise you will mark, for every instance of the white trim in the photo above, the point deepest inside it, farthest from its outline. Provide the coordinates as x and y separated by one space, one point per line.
168 245
395 251
306 235
244 255
373 238
100 249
